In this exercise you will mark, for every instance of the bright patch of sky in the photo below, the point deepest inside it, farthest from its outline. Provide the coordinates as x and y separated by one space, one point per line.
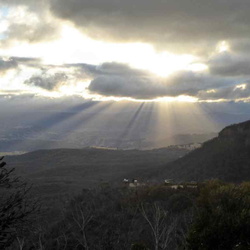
4 11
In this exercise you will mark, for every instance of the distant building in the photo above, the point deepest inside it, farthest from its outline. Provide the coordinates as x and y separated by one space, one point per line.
168 181
176 186
125 180
133 183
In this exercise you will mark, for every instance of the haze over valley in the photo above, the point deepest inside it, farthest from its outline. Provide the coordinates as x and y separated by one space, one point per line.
72 124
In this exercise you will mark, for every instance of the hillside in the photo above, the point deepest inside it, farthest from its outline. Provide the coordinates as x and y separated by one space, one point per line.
66 170
226 157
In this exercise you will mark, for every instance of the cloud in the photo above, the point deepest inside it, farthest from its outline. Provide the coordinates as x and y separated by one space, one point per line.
151 87
107 68
48 82
52 77
6 64
181 26
24 21
112 79
177 25
31 61
114 68
227 93
139 88
240 45
230 64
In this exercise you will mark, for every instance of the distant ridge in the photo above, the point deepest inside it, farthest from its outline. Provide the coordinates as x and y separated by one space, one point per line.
226 157
65 170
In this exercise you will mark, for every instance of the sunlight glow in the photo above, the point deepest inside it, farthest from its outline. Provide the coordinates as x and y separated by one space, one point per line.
195 67
74 47
222 47
241 86
182 98
162 64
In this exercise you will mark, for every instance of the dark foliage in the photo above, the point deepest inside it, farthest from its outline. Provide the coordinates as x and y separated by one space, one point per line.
215 215
223 219
118 218
15 205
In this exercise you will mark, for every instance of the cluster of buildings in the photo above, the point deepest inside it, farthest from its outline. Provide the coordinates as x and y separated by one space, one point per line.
133 183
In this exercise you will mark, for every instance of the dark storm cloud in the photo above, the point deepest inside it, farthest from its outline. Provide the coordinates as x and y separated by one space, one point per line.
48 82
139 88
175 24
145 87
114 68
230 64
108 68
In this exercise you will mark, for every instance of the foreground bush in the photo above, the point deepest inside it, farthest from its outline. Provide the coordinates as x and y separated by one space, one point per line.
223 218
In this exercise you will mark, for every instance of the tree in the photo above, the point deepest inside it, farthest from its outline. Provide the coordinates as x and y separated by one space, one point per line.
223 220
15 205
81 216
162 228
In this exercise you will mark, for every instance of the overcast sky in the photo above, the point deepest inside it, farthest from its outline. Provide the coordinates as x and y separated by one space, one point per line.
161 50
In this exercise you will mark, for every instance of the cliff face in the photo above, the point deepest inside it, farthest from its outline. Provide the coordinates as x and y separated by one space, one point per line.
238 132
226 157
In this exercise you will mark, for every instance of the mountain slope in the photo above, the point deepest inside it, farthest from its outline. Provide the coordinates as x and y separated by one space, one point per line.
226 157
57 170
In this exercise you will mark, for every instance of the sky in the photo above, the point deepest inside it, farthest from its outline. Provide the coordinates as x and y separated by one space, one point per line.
179 51
162 50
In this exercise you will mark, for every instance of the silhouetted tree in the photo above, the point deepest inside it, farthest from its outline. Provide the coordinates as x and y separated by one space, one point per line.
15 205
